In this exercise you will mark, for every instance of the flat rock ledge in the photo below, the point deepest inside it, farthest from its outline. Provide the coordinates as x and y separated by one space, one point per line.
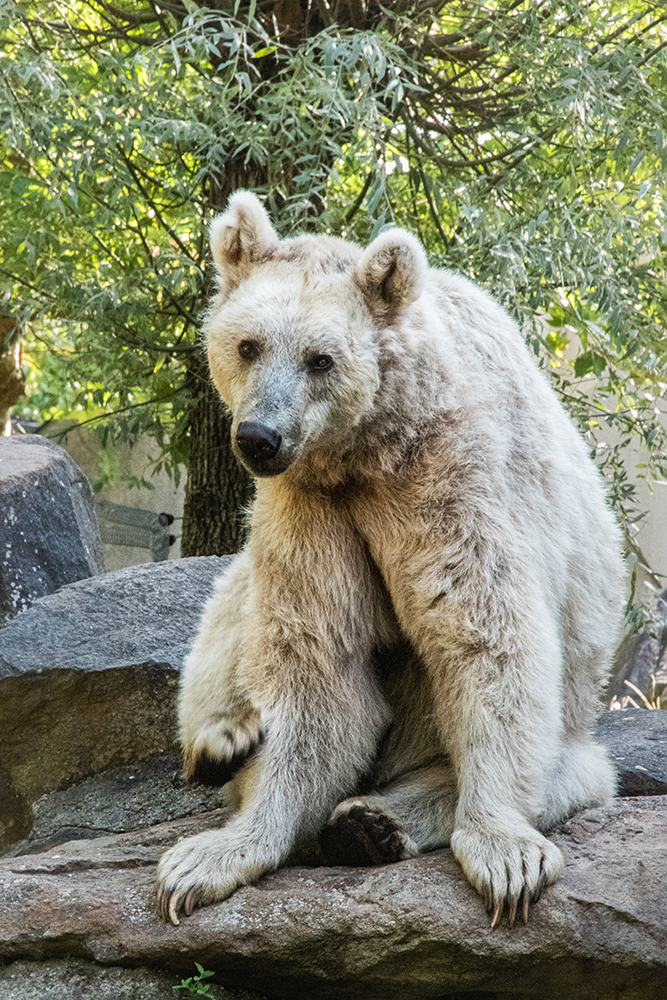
412 930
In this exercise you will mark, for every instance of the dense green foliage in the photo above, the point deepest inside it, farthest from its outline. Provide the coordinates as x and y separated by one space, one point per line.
524 142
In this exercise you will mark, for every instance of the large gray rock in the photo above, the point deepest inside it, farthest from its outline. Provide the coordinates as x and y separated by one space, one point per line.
412 930
636 741
89 676
48 527
77 979
116 801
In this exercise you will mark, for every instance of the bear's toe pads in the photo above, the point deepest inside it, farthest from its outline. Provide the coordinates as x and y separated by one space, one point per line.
361 834
221 748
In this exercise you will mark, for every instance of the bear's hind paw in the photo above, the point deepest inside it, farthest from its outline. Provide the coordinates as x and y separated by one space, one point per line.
362 833
221 748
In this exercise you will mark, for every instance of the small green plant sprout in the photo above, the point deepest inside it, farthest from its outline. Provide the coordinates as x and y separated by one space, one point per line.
655 701
194 984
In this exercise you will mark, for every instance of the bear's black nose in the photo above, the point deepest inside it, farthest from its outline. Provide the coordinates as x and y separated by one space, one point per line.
257 441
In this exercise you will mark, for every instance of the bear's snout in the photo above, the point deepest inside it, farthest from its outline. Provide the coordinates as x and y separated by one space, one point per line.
258 444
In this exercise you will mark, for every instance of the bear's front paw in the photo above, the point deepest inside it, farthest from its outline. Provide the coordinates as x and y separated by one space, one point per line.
221 747
202 870
507 868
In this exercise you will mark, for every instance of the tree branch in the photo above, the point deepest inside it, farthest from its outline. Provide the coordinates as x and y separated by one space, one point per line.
165 225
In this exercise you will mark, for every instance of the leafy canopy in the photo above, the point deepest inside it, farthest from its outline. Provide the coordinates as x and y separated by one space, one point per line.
524 142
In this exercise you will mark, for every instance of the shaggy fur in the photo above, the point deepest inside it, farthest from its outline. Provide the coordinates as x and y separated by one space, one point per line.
431 591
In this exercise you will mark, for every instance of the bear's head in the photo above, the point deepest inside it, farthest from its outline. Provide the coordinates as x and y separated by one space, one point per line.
296 332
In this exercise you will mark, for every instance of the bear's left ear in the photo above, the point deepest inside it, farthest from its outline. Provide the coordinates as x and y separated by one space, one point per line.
392 271
241 237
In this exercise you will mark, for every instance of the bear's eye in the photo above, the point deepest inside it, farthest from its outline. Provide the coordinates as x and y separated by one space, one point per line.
248 350
320 363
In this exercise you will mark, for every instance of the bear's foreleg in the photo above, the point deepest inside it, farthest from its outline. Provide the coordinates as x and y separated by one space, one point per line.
310 759
308 664
499 713
495 667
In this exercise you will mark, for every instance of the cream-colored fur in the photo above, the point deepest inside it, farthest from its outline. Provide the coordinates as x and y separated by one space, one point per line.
431 591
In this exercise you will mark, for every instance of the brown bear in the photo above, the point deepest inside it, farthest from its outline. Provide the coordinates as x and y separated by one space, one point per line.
431 591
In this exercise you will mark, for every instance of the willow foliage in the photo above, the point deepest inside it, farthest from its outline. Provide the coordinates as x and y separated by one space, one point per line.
524 142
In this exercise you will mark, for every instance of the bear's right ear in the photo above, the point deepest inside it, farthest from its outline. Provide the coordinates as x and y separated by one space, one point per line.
241 237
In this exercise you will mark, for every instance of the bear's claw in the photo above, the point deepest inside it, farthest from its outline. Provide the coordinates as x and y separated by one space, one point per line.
169 904
507 871
206 868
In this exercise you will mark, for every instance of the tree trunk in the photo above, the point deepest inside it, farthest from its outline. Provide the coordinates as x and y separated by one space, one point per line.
12 379
218 489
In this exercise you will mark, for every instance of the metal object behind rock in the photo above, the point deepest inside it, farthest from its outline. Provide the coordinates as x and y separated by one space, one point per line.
132 526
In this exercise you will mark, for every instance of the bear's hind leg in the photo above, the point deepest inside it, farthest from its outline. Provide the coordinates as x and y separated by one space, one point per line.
582 778
413 813
219 726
